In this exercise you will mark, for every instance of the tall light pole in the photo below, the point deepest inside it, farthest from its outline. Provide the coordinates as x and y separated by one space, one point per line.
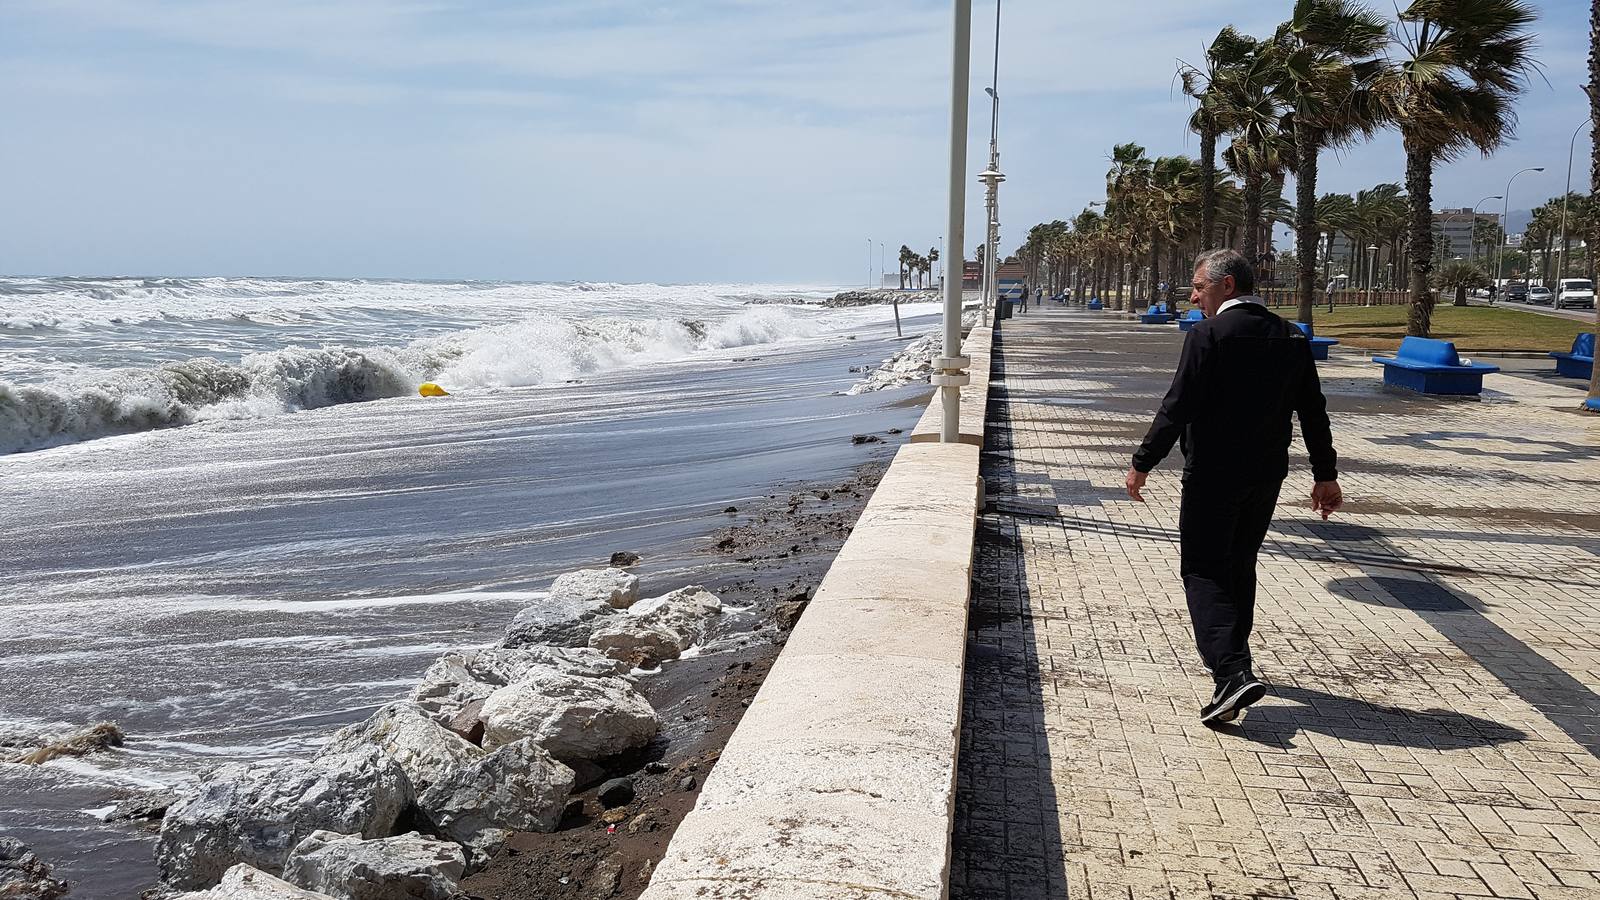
1505 232
869 262
1473 255
1371 269
991 178
950 369
1561 258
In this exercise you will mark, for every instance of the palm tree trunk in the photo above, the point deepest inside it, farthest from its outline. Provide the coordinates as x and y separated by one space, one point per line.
1155 263
1250 231
1208 186
1419 190
1305 220
1594 166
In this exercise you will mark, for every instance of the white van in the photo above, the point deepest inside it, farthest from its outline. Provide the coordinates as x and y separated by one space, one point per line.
1575 292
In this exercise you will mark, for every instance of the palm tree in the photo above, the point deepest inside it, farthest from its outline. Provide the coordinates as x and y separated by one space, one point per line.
1223 60
1175 192
1594 171
1462 276
1459 65
933 255
1326 60
1255 113
1127 190
906 259
1485 234
1381 222
1336 213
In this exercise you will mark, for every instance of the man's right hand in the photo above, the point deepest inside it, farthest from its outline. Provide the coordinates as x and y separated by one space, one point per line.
1326 498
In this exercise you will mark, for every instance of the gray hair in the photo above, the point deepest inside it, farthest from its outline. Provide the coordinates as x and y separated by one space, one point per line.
1219 264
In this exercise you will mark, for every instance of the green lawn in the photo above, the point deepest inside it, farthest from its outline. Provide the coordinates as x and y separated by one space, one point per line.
1472 328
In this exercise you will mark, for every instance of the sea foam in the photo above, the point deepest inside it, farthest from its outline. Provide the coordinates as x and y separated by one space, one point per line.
529 352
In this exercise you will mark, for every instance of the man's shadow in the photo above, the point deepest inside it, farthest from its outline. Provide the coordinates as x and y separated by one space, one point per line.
1351 719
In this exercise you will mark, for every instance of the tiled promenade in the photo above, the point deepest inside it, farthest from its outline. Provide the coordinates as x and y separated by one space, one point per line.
1433 728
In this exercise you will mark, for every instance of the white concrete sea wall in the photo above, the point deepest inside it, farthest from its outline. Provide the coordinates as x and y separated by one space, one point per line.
839 782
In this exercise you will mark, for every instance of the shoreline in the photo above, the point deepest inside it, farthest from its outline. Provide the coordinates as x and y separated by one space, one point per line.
700 700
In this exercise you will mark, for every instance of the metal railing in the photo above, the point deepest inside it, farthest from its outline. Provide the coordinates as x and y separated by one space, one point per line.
1349 297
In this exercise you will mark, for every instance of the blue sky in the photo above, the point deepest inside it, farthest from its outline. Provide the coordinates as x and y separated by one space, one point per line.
729 140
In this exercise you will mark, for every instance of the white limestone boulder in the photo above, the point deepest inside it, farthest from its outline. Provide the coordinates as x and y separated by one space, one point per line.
514 787
556 622
396 868
244 882
612 586
635 641
256 813
574 718
688 612
423 749
458 678
472 796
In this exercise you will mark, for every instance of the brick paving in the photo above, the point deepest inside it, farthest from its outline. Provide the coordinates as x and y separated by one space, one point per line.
1433 728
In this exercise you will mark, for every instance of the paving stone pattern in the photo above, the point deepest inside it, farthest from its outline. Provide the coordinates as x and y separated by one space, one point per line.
1434 651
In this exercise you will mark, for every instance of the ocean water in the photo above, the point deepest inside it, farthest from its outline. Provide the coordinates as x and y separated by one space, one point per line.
231 525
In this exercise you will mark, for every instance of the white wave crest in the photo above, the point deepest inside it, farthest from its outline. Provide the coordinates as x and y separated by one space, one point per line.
128 400
524 353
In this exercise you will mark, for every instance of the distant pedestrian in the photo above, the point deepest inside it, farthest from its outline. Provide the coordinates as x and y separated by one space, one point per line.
1328 292
1243 374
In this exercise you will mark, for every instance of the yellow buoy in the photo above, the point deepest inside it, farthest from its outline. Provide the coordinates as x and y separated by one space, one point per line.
429 389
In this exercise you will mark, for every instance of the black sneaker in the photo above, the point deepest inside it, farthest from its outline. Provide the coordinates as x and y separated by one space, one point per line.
1232 697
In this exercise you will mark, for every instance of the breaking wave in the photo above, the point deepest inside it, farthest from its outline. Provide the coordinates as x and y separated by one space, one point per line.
520 354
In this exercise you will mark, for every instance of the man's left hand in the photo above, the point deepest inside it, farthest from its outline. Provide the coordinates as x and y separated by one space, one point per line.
1136 480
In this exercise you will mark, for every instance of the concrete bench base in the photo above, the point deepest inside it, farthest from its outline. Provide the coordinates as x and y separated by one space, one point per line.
1155 319
1570 365
1320 347
1457 382
1592 404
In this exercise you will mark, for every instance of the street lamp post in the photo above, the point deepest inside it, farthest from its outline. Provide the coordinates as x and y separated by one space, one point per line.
991 178
1371 269
1473 253
1561 258
950 369
1505 232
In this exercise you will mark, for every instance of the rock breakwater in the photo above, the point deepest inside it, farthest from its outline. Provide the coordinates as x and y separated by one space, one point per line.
879 297
430 787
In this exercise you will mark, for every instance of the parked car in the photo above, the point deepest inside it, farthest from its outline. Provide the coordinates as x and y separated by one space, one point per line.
1575 293
1517 291
1540 295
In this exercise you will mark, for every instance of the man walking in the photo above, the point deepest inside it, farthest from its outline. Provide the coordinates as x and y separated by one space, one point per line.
1243 374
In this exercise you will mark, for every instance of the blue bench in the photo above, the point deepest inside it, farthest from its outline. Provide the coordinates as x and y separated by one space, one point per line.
1430 366
1579 361
1319 346
1096 304
1157 314
1189 321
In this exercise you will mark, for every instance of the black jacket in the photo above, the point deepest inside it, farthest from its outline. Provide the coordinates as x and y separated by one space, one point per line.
1242 374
